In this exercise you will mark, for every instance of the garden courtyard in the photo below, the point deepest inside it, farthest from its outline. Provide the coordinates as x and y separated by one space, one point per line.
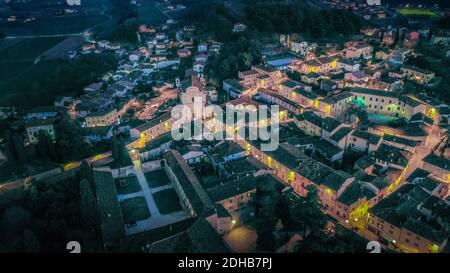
127 185
148 200
157 178
134 210
380 119
167 201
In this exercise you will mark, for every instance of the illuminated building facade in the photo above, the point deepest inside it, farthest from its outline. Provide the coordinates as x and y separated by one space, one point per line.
151 129
418 75
358 51
33 128
102 118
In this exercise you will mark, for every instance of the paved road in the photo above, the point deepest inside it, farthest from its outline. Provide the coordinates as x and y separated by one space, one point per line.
422 151
66 168
415 162
146 191
150 109
90 160
44 36
156 219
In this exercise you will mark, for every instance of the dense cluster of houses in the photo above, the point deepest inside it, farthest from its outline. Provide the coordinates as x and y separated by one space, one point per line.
337 105
105 106
326 106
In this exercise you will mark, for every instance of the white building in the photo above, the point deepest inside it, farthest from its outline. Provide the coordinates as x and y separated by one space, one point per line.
195 99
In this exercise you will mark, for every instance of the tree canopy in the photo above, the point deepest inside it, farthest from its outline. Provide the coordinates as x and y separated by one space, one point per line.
46 215
293 17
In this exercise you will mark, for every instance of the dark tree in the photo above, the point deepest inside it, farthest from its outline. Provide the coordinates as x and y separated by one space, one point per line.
396 38
124 156
321 242
70 144
124 32
90 214
265 224
294 17
9 145
265 203
115 148
19 148
45 147
86 173
14 221
307 212
283 212
382 35
30 243
316 242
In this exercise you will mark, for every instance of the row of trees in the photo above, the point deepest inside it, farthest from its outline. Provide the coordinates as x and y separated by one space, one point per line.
213 20
295 214
123 32
44 216
240 50
69 144
433 60
14 147
268 211
123 10
120 152
234 56
303 215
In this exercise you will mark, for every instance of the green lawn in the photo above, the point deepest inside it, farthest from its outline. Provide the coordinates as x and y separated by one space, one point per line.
167 201
10 69
127 185
18 69
16 58
380 119
28 49
157 178
420 12
149 14
134 209
16 89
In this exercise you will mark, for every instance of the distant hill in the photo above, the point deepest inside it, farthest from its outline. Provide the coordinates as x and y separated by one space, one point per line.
298 16
238 4
309 17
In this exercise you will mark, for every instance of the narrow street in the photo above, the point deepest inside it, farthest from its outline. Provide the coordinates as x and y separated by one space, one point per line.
151 107
415 162
422 151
